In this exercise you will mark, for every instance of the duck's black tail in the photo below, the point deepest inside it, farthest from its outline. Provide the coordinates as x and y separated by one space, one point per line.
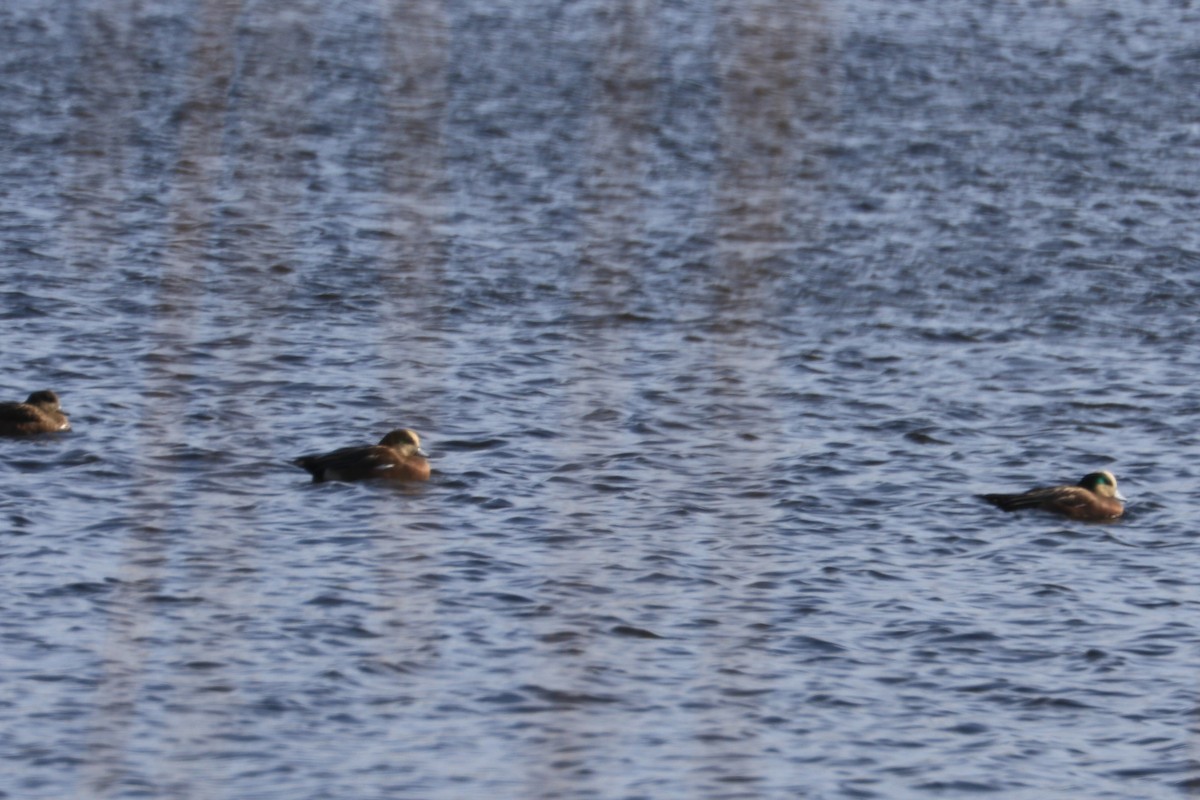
1010 502
313 465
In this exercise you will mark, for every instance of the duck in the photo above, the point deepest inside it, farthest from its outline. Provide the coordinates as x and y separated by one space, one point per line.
398 457
1094 499
40 413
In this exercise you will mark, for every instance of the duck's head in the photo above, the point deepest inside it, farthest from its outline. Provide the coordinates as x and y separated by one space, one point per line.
44 399
405 441
1102 483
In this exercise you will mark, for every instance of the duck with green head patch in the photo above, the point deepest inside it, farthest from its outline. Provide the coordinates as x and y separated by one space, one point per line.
398 457
1094 499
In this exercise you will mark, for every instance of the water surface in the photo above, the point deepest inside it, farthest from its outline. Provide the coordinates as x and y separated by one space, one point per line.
714 319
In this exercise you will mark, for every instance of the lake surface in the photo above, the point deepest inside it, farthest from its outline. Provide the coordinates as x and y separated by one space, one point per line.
714 319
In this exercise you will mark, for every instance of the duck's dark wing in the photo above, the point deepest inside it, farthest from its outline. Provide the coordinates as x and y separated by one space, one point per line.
1053 498
348 463
19 413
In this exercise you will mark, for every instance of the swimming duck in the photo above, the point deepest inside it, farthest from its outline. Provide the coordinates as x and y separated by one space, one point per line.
40 413
398 456
1094 499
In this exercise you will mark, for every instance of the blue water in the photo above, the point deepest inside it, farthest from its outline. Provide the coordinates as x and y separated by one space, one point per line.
714 319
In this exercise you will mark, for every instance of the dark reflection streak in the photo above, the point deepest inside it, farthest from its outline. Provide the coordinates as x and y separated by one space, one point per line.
775 85
415 95
620 135
611 202
191 212
769 67
268 112
614 182
101 117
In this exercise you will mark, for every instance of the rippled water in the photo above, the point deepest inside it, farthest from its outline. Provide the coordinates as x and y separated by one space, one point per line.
714 319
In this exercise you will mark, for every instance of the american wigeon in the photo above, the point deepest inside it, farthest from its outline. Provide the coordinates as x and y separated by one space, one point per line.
398 457
40 413
1094 499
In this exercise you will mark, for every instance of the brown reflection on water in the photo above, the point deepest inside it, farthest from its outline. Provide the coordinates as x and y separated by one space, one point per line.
774 74
101 123
619 139
415 94
410 262
192 207
248 118
771 60
191 195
